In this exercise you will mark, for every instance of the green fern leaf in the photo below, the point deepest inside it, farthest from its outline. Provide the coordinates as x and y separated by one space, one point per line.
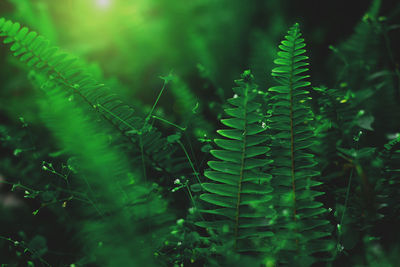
300 225
238 191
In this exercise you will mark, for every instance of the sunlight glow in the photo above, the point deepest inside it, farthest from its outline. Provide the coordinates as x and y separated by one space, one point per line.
103 3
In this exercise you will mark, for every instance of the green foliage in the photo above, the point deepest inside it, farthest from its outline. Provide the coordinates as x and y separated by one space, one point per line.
239 191
67 72
388 186
300 175
294 168
189 108
82 137
117 195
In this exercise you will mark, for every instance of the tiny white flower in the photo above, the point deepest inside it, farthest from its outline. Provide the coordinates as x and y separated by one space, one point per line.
235 96
263 125
177 181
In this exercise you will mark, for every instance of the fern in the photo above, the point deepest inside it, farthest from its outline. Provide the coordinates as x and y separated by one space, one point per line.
69 73
359 52
281 158
124 199
367 53
118 198
389 187
294 168
239 193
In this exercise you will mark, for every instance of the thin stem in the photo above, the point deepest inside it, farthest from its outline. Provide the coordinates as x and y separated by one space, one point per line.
168 122
342 217
142 154
22 245
190 162
115 116
192 199
346 200
242 166
156 102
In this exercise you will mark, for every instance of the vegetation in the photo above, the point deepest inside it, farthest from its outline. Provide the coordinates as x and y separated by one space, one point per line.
96 170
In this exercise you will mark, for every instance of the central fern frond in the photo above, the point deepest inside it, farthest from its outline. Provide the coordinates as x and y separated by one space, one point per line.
300 224
239 192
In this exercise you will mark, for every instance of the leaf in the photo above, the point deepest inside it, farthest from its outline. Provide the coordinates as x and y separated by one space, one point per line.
294 166
236 185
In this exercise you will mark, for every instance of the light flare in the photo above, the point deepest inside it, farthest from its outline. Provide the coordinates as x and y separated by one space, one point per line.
103 3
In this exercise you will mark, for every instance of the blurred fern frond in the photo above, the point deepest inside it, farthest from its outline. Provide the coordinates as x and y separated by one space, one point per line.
69 73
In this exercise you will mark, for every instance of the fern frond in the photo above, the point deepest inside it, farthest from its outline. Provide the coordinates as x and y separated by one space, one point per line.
117 201
389 185
294 169
358 47
36 52
239 193
124 212
69 73
360 53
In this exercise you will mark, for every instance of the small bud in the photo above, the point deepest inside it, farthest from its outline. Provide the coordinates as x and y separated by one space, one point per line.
263 125
17 151
191 210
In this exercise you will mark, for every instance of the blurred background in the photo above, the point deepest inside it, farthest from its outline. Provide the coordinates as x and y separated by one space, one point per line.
130 43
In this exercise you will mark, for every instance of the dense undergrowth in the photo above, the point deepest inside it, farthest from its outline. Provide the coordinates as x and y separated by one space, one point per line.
286 171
